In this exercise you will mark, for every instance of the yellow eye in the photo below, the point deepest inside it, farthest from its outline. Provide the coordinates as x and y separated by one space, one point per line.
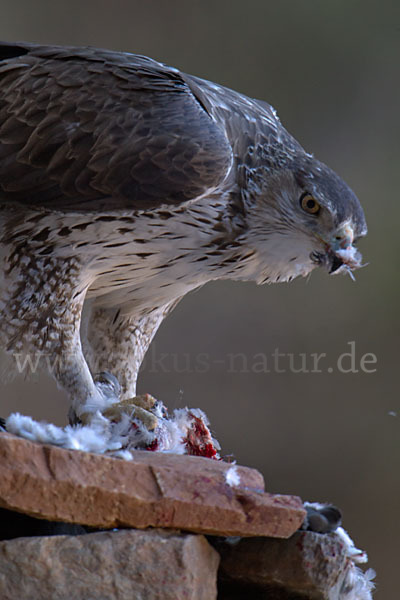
309 204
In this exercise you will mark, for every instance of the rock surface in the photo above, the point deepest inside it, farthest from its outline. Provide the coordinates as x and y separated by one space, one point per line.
123 565
309 565
152 490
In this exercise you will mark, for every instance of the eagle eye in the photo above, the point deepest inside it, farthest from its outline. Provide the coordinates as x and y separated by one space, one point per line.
309 204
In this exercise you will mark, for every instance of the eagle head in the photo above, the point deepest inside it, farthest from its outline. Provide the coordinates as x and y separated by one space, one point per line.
300 216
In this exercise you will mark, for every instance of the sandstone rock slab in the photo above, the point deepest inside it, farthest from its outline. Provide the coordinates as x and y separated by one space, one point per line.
309 565
153 490
119 565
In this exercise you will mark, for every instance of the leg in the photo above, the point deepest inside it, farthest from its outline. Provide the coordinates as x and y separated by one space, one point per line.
40 313
114 346
116 343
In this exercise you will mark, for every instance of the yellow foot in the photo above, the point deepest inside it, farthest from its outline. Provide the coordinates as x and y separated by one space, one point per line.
143 407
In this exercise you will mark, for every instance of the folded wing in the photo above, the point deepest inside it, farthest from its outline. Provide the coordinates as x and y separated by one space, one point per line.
85 129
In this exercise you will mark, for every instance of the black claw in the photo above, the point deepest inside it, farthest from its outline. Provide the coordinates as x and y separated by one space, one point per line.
72 417
108 383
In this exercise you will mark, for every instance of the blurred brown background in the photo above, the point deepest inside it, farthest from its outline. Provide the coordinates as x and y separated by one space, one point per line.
332 71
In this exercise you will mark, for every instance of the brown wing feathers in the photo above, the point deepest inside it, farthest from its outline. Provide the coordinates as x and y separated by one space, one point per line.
79 126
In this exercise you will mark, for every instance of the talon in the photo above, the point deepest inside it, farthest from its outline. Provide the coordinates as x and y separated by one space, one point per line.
108 385
140 407
107 393
145 401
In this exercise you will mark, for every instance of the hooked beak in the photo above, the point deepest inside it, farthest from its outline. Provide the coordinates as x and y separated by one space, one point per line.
340 254
334 262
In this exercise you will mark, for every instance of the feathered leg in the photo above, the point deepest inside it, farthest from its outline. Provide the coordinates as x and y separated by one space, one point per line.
41 299
115 345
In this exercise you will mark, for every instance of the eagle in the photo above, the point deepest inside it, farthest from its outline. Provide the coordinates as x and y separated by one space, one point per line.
124 185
